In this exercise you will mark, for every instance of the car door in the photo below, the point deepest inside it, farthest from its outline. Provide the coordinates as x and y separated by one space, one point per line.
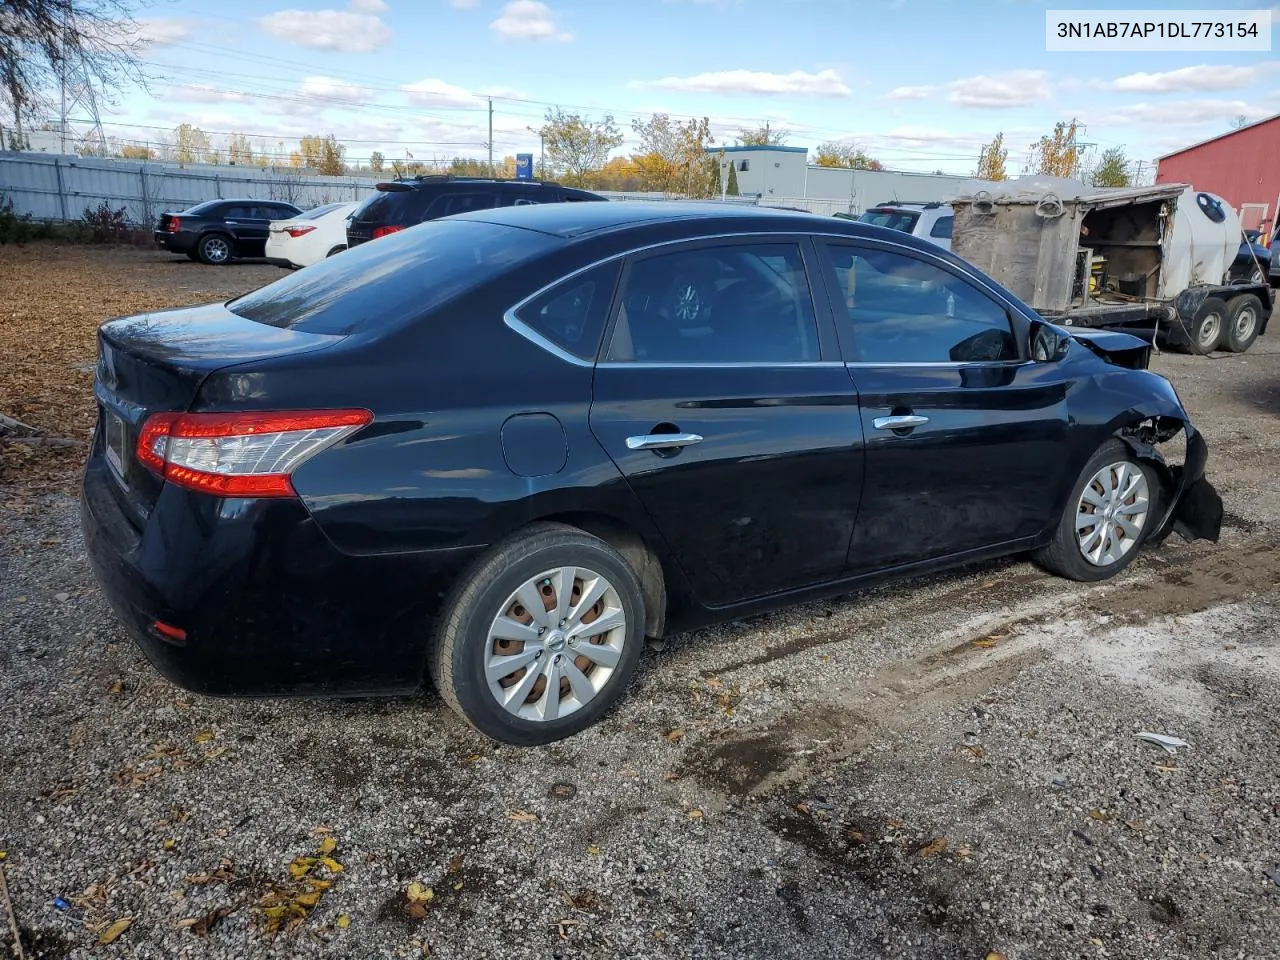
965 436
721 399
248 228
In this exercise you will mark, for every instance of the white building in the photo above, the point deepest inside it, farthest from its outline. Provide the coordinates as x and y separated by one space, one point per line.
783 176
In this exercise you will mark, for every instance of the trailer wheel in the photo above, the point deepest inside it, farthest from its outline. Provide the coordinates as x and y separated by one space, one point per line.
1243 320
1204 332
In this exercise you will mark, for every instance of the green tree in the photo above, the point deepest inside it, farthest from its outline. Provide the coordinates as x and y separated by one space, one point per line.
716 184
836 154
673 156
731 187
576 144
991 159
763 136
376 161
1113 169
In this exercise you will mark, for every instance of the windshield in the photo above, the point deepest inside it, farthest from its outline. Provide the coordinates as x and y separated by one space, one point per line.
893 219
393 278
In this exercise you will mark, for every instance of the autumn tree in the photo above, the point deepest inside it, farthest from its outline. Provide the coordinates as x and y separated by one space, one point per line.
577 144
190 143
1112 169
619 173
240 150
324 154
763 136
991 159
376 161
135 152
673 156
1058 155
834 153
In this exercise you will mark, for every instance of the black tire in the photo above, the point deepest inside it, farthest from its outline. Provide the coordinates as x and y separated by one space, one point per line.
461 642
1062 555
214 249
1204 332
1242 322
335 250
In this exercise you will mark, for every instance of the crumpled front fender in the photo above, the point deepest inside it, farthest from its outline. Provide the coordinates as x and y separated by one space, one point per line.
1191 506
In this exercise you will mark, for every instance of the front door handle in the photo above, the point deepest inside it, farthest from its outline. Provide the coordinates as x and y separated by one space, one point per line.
901 422
657 441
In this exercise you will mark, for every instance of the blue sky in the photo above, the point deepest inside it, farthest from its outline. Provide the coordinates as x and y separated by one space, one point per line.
919 83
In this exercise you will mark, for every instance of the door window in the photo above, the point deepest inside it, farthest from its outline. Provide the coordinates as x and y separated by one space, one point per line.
905 310
741 303
237 213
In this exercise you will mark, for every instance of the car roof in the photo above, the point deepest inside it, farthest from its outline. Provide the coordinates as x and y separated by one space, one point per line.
572 220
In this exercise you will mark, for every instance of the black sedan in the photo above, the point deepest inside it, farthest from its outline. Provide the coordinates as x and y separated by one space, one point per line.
499 450
219 231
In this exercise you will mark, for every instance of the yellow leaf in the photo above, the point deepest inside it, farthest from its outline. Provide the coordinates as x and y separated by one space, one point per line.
933 847
117 687
215 753
328 845
976 750
458 885
3 854
330 864
112 933
522 816
308 899
343 921
473 758
315 884
301 866
169 844
676 735
204 736
995 956
419 893
694 814
593 851
985 644
1100 815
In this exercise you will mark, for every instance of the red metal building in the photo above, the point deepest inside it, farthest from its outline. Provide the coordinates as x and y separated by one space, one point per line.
1242 167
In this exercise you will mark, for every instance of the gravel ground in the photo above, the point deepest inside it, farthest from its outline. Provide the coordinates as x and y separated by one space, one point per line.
939 769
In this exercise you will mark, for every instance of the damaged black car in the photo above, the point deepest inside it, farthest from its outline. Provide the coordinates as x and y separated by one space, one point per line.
497 451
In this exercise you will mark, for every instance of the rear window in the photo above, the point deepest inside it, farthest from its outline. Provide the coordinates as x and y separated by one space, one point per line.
942 228
208 207
318 212
396 207
392 279
893 219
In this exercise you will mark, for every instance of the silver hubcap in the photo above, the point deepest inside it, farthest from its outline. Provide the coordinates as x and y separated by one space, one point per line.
1246 320
1111 513
555 643
1210 329
216 249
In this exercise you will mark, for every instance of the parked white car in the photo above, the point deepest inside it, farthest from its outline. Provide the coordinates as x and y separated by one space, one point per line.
932 221
309 237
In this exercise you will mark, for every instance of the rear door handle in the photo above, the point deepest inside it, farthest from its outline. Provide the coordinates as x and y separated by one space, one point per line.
901 422
657 441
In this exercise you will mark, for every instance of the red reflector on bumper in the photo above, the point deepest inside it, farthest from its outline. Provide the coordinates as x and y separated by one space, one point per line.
169 631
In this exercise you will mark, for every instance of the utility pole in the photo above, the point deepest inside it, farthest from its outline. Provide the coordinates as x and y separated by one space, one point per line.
766 133
491 136
542 149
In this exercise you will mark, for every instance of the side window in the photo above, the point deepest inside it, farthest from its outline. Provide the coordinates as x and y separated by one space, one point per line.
450 203
741 303
941 228
572 314
237 213
905 310
518 197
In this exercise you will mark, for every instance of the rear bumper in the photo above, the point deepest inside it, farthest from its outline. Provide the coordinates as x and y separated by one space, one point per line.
269 606
284 262
180 242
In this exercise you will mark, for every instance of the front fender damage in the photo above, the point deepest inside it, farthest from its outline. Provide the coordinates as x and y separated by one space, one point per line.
1190 506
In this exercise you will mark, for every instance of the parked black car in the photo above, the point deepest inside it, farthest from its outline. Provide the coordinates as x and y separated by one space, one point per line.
218 231
402 203
503 448
1252 260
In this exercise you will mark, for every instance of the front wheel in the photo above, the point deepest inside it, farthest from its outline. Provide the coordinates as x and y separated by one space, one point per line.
1112 510
541 637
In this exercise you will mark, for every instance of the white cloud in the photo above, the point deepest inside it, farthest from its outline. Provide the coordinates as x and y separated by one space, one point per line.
912 93
347 31
1000 91
528 20
367 6
431 92
327 88
199 93
162 31
824 83
1189 79
1182 112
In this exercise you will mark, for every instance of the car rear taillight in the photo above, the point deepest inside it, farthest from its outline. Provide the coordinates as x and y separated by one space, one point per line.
241 454
297 232
175 224
385 230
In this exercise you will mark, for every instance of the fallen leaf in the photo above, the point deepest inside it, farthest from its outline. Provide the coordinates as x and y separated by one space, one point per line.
416 910
328 845
308 899
933 848
204 736
694 814
976 750
522 816
117 687
112 933
804 808
593 851
714 685
473 758
170 843
330 864
301 866
1101 815
995 956
418 892
985 644
670 776
454 865
676 735
343 921
458 885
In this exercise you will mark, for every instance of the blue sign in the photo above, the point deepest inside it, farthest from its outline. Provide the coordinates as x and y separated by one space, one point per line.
524 166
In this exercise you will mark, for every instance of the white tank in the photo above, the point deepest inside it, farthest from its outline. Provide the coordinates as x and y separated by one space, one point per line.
1201 242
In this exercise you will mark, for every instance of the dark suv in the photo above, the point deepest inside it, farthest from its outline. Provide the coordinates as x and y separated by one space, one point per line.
217 231
402 203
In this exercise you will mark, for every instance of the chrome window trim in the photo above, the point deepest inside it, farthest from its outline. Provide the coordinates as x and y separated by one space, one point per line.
728 365
512 319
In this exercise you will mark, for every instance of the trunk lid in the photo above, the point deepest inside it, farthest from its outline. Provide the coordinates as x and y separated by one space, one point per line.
156 362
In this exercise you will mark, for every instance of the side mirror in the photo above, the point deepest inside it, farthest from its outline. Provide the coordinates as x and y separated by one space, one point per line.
1048 344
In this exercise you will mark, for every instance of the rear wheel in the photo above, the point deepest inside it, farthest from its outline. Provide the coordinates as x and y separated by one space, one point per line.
337 249
1205 331
214 249
541 637
1112 510
1243 321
